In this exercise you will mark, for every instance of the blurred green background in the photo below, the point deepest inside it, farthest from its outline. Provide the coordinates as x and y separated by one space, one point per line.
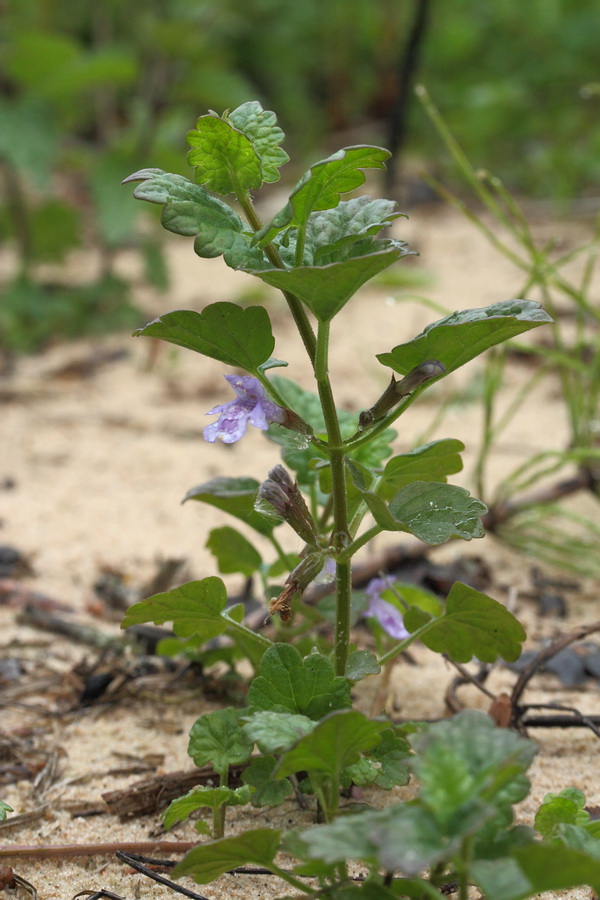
90 91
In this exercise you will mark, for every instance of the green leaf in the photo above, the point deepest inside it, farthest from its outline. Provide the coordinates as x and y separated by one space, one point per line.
217 738
320 187
235 335
207 861
557 809
462 336
276 731
289 683
191 211
360 664
235 496
337 741
202 798
534 869
431 462
472 625
4 809
194 608
233 552
467 761
391 757
326 289
260 125
267 791
225 159
432 512
332 230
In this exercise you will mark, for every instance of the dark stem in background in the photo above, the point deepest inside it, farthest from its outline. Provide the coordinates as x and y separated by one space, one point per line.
407 67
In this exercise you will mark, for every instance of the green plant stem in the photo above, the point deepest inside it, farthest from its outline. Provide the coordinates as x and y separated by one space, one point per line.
219 813
341 533
254 636
403 645
295 306
295 882
359 542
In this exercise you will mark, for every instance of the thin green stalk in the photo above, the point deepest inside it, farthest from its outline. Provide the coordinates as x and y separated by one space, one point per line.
278 549
254 636
359 542
341 534
219 813
296 308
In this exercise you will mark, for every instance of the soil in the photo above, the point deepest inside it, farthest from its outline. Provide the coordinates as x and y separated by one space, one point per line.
101 441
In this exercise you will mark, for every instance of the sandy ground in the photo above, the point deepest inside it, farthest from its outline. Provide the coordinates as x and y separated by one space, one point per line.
98 467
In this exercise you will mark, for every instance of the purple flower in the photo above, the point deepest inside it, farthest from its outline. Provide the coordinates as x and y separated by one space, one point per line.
386 613
250 405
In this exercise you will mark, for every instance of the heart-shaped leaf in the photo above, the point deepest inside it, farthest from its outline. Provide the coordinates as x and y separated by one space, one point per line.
462 336
238 336
473 624
217 739
290 683
207 861
235 496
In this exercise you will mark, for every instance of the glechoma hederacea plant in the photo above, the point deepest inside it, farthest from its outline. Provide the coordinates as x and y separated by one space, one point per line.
319 250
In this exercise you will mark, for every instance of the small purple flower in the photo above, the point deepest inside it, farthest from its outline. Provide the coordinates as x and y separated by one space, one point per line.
250 405
386 613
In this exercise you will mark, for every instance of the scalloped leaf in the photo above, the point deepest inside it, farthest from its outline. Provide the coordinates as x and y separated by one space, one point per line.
462 336
260 125
217 739
288 682
189 210
473 624
267 791
235 496
276 731
238 336
433 512
224 158
194 608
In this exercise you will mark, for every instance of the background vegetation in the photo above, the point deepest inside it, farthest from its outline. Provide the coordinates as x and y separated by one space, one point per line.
91 91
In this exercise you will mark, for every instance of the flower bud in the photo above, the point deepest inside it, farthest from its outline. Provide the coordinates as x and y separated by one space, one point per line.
285 497
296 583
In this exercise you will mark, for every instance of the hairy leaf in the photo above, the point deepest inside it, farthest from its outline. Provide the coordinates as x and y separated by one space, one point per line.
217 738
238 336
194 608
325 290
289 683
473 624
260 125
431 511
224 157
462 336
